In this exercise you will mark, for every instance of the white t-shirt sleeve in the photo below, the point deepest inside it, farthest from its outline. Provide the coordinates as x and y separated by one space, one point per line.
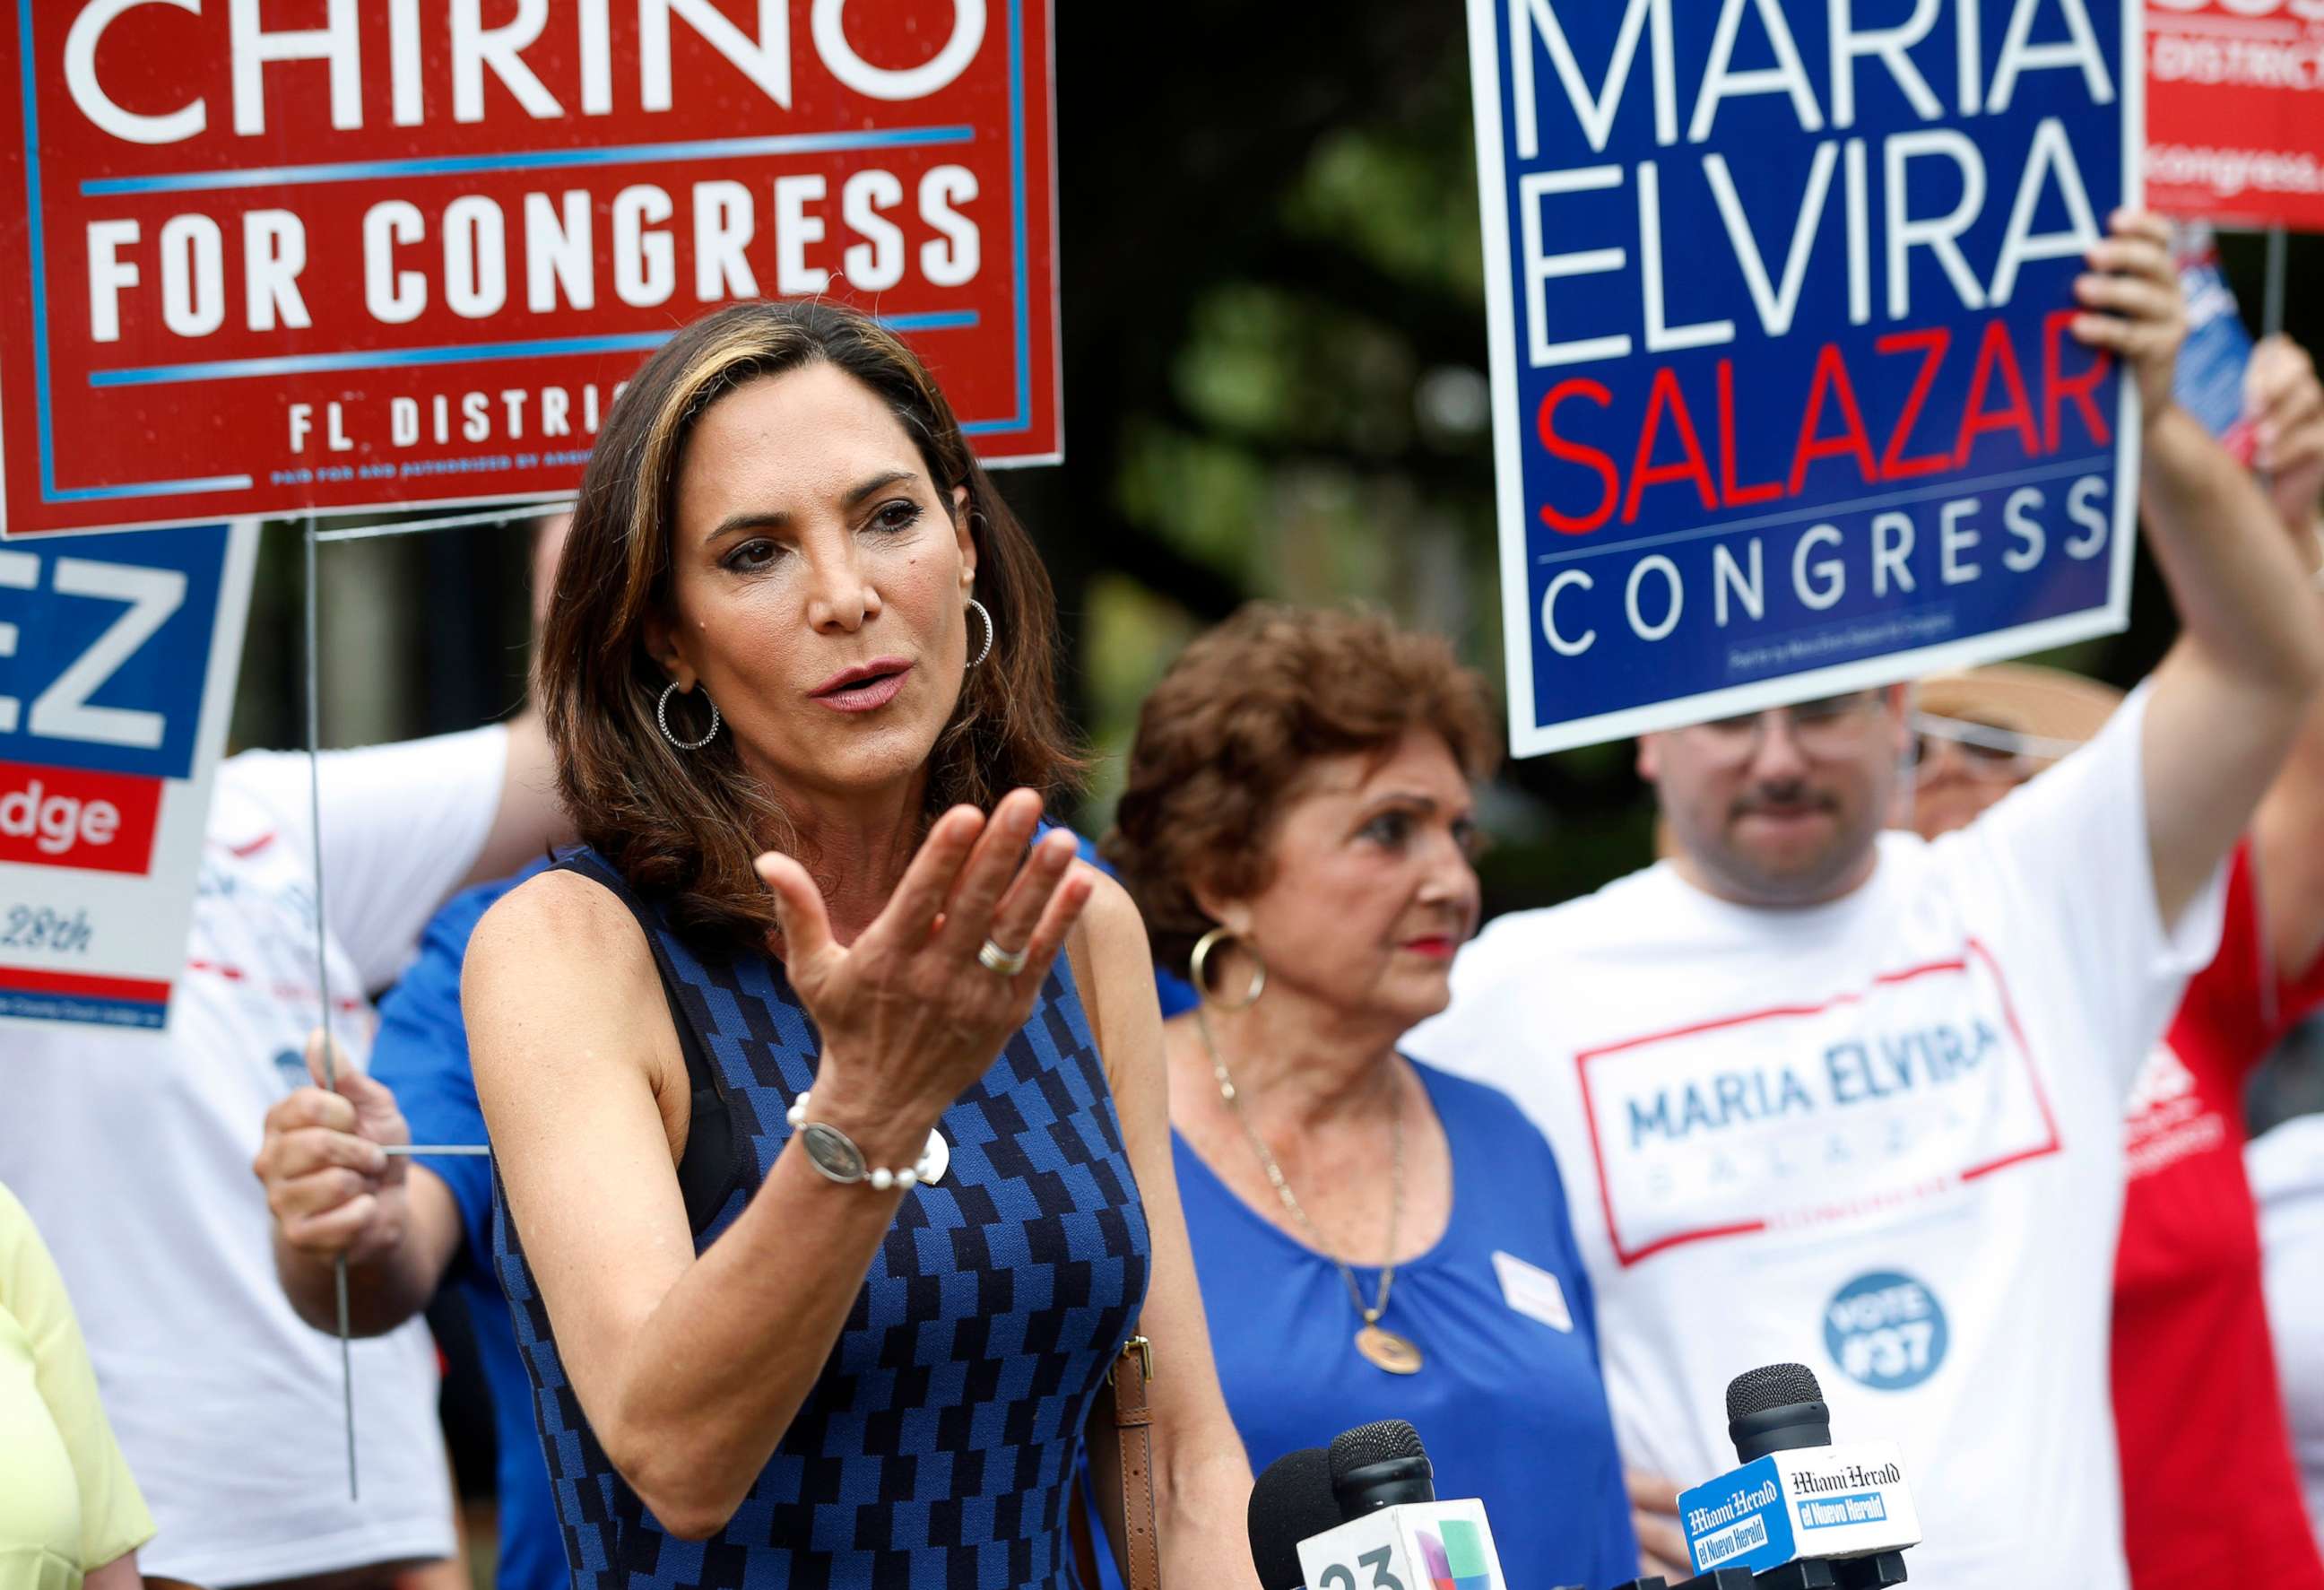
2063 866
402 825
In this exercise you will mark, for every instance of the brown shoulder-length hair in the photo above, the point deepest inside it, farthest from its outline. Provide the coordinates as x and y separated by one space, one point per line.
683 826
1227 739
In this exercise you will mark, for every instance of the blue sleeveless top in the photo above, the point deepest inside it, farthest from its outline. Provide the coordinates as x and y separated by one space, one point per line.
939 1445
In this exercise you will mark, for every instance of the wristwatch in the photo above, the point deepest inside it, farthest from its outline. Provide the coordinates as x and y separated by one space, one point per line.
833 1152
835 1157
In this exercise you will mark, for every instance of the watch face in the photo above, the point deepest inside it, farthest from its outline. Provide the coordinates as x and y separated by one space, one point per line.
829 1151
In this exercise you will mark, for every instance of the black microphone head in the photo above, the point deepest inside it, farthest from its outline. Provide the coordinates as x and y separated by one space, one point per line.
1291 1502
1776 1409
1771 1385
1380 1464
1381 1441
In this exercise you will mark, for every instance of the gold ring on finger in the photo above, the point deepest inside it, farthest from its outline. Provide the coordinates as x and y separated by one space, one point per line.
1007 961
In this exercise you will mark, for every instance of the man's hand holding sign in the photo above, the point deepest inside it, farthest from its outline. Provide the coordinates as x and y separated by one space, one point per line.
2287 414
337 1193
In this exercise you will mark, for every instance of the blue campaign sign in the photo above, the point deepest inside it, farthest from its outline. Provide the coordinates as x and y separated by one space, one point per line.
118 662
104 643
1784 398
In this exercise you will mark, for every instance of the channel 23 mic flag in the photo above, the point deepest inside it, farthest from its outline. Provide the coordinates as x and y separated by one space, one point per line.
117 662
336 255
1784 398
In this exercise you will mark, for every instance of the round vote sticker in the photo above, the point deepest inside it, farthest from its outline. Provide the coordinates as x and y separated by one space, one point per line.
1886 1331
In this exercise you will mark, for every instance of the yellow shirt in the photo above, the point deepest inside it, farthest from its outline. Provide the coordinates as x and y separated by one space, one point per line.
67 1501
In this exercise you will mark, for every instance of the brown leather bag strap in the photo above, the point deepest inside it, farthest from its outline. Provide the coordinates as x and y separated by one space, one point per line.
1141 1542
1123 1403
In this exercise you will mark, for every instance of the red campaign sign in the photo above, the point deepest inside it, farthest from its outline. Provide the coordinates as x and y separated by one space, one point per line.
61 817
280 256
2235 110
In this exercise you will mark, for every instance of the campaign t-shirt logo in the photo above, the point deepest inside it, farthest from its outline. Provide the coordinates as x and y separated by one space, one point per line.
2169 1119
1908 1087
1886 1330
293 1066
2161 1081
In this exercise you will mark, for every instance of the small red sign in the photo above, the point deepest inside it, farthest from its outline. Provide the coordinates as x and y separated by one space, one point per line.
61 817
324 255
2235 110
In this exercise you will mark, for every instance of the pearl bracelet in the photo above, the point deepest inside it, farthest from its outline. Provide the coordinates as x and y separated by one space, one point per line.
835 1157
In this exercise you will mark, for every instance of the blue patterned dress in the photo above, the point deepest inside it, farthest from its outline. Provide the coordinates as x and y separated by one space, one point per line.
938 1447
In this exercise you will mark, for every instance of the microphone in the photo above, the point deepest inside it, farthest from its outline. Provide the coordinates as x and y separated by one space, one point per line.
1393 1529
1291 1502
1776 1408
1800 1512
1379 1464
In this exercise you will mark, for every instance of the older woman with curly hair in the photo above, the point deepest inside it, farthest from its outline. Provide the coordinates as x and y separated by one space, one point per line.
826 1098
1375 1238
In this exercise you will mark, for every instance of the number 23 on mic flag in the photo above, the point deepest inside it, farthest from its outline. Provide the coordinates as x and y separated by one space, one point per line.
1785 402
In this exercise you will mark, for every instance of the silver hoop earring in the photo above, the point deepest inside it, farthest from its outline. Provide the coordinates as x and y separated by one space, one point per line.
987 649
1198 971
662 716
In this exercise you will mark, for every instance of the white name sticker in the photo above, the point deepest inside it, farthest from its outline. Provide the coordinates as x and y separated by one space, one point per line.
1533 1291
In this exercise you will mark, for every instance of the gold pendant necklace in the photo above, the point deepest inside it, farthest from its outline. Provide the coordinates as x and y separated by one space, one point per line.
1380 1346
1390 1351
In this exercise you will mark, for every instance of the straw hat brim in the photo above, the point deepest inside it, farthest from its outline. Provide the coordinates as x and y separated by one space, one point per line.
2030 700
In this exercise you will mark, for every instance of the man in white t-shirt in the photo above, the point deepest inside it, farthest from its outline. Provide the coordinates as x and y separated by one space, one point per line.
1832 1094
133 1153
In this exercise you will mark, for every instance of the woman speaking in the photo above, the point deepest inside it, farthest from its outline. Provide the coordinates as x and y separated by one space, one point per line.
830 1188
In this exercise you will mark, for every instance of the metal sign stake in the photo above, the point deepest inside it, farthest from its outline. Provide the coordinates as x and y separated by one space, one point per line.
323 973
2272 299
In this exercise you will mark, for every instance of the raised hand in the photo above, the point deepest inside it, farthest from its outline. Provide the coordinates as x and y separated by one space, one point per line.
2132 305
909 1014
332 1190
2285 402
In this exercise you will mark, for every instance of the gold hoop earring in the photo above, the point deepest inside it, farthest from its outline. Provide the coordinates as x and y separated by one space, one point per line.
1198 969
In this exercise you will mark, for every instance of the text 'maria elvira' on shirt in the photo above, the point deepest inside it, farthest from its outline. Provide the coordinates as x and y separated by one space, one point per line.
1882 1136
